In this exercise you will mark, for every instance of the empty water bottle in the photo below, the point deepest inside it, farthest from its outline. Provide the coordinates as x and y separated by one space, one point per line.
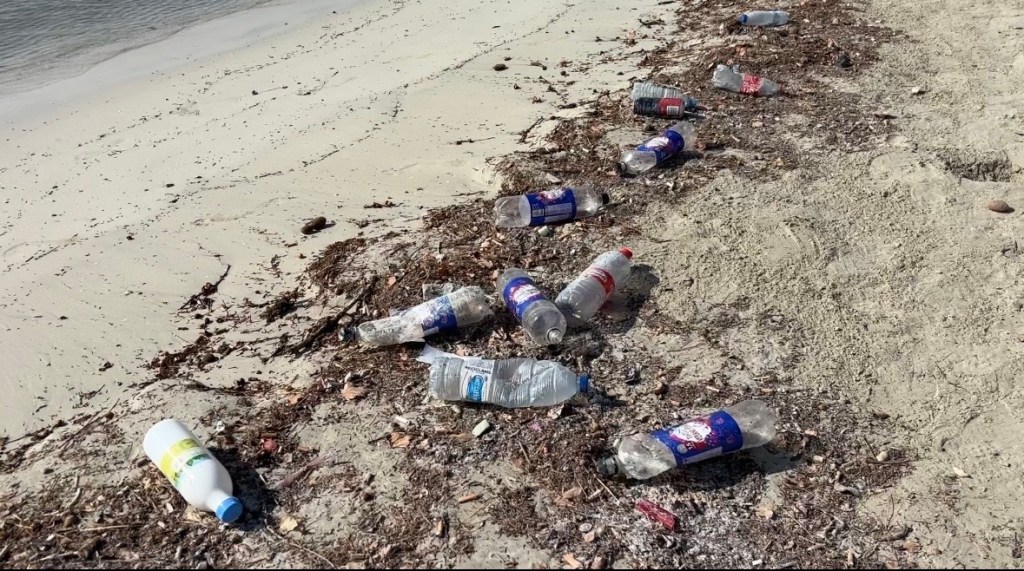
548 207
543 322
673 141
447 313
511 383
764 18
588 292
647 89
641 456
730 79
654 100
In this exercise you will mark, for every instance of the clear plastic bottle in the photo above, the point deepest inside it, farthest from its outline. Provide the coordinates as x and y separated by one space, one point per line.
730 79
654 100
543 322
195 473
744 425
673 141
548 207
650 90
585 295
461 308
511 383
764 18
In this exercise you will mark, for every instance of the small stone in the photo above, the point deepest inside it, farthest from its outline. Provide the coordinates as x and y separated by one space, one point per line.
918 90
545 231
999 206
960 473
552 179
757 124
882 456
598 563
500 67
843 60
660 388
315 225
480 429
1018 305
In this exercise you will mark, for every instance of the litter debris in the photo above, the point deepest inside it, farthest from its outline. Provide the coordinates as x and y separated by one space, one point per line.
658 514
731 79
561 205
543 322
676 139
194 472
642 456
764 18
510 383
461 308
585 295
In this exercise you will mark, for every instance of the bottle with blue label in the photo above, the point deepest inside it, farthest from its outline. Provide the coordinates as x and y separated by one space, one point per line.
510 383
538 209
678 138
642 456
542 320
461 308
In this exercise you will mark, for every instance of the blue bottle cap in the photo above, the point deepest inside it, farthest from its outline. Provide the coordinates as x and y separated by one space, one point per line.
584 383
229 510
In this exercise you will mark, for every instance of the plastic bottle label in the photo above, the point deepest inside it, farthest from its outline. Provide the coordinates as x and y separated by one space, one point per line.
664 107
601 276
476 376
751 84
438 315
702 438
663 147
552 206
181 455
519 294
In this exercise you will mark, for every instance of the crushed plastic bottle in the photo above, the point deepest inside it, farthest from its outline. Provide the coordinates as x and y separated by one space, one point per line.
548 207
764 18
585 295
654 100
731 79
543 322
642 456
461 308
195 473
511 383
673 141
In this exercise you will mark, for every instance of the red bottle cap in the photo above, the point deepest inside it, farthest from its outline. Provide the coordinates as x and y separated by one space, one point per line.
626 252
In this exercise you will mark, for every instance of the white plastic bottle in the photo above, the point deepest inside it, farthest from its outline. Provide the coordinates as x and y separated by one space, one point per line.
543 322
511 383
730 79
673 141
195 473
568 203
461 308
764 18
744 425
585 295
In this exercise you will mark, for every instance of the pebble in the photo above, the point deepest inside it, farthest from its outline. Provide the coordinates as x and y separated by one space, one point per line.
552 179
999 206
545 231
481 428
882 456
918 90
500 67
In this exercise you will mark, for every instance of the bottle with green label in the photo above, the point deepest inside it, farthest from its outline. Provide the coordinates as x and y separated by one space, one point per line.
195 473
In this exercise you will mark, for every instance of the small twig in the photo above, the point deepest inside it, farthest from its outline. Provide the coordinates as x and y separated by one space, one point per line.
304 548
610 493
461 141
208 290
92 420
306 469
649 23
526 132
106 528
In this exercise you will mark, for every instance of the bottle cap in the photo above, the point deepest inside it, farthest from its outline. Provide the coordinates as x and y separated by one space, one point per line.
626 252
605 199
584 383
555 336
608 467
622 169
229 510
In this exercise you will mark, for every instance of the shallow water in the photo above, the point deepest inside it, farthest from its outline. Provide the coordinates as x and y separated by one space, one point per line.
45 40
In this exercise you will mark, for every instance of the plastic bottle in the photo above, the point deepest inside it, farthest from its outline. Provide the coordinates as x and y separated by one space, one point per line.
649 90
195 473
668 107
543 322
548 207
585 295
744 425
677 138
511 383
730 79
461 308
764 18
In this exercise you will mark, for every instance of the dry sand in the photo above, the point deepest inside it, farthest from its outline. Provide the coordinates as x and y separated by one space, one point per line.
876 281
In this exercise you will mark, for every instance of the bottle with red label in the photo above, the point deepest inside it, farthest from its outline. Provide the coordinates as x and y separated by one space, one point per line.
543 322
642 456
731 79
655 100
585 295
674 140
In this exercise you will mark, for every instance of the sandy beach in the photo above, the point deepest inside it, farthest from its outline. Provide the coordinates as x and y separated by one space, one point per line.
833 252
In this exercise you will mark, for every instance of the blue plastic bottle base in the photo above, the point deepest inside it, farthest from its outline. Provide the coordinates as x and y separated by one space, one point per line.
229 510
